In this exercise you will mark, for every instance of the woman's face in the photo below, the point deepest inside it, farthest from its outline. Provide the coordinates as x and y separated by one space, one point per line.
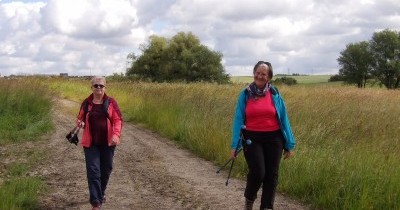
261 75
98 87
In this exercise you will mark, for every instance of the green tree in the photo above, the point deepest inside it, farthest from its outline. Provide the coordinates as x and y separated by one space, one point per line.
147 65
355 62
182 58
385 50
130 58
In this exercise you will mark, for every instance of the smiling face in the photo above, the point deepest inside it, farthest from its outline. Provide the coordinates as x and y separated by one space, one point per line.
261 75
98 86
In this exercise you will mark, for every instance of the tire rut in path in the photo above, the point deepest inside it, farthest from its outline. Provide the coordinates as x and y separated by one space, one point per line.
150 172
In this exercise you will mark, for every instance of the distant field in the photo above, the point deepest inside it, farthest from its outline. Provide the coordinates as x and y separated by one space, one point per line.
300 79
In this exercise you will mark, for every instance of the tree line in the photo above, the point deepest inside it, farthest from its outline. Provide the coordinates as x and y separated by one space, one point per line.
183 58
377 59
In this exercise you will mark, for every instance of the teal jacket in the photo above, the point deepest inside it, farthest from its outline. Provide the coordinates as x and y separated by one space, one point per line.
239 119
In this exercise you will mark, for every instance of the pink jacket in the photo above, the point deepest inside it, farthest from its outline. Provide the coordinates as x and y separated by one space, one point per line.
114 122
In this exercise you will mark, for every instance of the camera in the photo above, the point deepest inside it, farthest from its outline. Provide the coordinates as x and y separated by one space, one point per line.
72 136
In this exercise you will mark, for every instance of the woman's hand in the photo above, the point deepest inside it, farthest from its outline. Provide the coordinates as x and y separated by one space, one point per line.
287 154
233 154
82 124
79 123
114 140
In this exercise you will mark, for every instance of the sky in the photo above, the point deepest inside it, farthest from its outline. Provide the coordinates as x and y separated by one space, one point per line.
94 37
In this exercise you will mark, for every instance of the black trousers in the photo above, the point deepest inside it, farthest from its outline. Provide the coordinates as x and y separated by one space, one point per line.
263 157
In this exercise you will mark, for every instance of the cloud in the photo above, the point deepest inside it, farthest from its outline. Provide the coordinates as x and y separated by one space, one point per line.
95 36
306 36
77 37
89 19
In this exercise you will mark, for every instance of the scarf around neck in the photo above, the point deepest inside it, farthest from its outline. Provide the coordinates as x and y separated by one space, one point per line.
255 92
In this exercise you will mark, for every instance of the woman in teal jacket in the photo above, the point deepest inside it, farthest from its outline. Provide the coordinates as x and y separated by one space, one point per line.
261 117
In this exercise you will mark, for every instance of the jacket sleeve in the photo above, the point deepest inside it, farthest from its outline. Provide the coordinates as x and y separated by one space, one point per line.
286 129
79 117
238 120
116 118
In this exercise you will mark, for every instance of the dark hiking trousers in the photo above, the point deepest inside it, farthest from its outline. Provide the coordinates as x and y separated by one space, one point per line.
99 164
263 156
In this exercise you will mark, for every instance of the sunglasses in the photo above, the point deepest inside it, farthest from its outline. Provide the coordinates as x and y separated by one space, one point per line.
98 86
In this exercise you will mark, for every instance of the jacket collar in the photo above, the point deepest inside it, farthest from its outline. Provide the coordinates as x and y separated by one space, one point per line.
90 98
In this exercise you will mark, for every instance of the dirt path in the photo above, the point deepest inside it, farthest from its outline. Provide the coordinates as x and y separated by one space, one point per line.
150 172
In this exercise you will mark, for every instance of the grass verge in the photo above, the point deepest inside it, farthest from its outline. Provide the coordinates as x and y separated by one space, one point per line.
25 114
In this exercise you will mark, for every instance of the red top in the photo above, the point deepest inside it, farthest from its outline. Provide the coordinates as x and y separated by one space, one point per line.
98 125
261 114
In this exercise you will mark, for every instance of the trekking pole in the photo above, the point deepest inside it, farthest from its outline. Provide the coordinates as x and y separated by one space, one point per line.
237 151
227 162
248 142
233 161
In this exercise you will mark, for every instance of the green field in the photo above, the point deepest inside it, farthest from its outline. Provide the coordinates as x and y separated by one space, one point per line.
310 79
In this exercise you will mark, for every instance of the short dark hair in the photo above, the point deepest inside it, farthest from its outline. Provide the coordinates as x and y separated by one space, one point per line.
270 72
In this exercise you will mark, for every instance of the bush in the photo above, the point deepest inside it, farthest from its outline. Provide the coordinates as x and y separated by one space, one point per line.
285 80
335 78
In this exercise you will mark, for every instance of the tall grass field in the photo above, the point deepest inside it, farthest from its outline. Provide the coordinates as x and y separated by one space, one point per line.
24 110
347 138
306 79
25 116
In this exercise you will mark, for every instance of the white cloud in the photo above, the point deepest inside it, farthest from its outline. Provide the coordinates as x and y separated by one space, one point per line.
94 19
78 37
95 36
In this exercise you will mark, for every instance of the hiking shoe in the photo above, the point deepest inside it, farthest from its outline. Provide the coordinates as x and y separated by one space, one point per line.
96 206
248 205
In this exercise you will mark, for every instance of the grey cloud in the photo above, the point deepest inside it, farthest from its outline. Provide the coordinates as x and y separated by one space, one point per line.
151 10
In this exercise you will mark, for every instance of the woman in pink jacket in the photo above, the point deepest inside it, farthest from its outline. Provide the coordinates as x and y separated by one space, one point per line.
101 119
